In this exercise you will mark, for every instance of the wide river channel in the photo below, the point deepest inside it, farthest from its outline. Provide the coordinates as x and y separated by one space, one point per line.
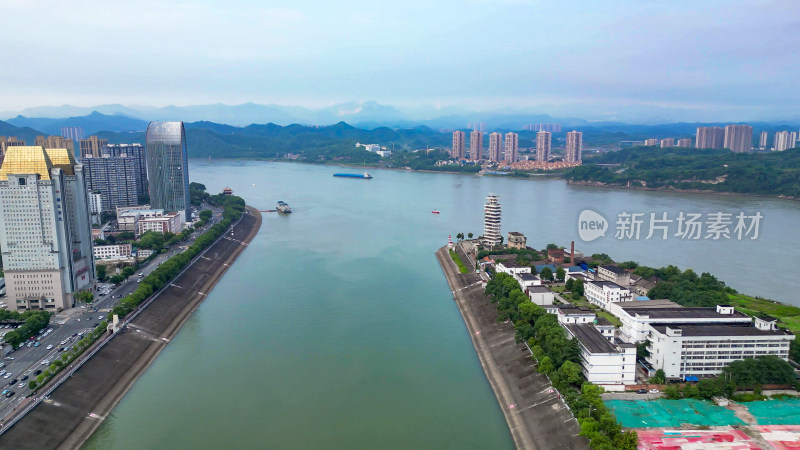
336 329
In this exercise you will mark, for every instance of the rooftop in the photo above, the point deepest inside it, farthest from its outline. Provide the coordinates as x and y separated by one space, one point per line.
590 338
684 313
718 330
602 321
613 268
658 303
515 233
525 276
539 290
609 284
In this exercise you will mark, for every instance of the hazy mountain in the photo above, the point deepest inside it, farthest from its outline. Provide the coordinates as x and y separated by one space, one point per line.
91 123
26 134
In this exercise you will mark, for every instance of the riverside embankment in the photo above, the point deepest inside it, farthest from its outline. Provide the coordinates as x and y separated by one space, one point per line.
77 407
536 416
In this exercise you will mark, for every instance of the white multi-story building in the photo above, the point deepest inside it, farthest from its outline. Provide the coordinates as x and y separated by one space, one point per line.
114 251
527 280
128 218
491 220
458 151
45 232
603 293
637 320
540 295
784 140
476 146
614 274
575 314
697 350
170 222
602 361
667 142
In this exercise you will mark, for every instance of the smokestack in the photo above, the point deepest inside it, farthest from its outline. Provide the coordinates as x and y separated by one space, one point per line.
572 253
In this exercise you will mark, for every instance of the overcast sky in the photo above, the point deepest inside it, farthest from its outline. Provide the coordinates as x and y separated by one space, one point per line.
702 59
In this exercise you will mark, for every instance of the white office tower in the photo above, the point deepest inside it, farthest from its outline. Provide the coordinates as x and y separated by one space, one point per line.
491 220
512 147
781 142
574 145
45 233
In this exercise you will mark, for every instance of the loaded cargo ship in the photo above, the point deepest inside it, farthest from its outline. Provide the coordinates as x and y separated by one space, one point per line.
364 175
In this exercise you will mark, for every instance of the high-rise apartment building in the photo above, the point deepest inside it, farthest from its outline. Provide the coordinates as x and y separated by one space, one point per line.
74 133
45 231
574 145
739 138
684 143
495 144
710 137
92 146
458 146
784 140
650 142
667 142
118 180
476 146
762 140
168 167
54 142
511 147
10 141
491 221
543 141
132 151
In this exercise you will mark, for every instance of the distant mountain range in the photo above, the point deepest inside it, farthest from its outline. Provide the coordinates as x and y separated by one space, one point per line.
361 114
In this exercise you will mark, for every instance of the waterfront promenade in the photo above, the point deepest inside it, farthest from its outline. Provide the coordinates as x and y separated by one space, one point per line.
536 416
77 407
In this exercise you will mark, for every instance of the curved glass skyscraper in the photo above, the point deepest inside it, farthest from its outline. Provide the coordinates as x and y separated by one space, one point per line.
168 167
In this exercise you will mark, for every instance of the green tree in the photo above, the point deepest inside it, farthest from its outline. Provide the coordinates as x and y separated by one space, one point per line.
691 391
117 279
570 284
660 377
547 274
627 440
672 392
101 272
469 235
152 240
128 271
570 372
85 296
32 384
546 365
708 388
560 274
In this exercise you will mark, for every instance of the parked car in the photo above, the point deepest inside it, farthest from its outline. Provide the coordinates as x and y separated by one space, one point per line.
655 391
10 393
23 378
49 347
13 382
641 391
37 372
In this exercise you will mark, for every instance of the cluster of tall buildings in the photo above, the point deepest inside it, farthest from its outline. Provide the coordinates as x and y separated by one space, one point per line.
737 138
45 201
668 142
551 127
784 140
506 147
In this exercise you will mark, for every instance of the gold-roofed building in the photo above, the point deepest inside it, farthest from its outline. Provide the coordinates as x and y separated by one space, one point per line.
62 158
26 160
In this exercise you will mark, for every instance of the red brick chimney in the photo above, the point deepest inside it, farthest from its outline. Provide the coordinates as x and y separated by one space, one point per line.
572 253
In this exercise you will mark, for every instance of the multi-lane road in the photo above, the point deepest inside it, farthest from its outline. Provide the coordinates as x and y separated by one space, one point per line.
66 327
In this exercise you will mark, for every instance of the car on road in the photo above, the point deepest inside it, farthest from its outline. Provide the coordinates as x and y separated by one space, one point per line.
9 358
21 385
37 372
36 344
10 393
2 364
641 391
2 372
5 391
13 382
45 363
74 334
94 325
23 378
49 347
7 376
655 391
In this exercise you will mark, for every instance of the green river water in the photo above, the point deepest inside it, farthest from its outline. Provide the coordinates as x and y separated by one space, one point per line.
337 330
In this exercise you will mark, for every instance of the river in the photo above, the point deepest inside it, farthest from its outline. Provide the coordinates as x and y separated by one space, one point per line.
336 328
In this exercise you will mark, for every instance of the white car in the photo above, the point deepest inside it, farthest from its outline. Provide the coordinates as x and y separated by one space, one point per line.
21 385
655 391
45 363
2 372
8 375
49 347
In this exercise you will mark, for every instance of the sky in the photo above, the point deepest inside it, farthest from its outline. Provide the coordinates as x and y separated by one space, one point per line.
598 60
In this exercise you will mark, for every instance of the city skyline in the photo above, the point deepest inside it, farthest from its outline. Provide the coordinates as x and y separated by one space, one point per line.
314 55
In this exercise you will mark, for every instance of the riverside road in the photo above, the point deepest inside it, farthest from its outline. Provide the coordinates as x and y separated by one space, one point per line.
536 416
77 407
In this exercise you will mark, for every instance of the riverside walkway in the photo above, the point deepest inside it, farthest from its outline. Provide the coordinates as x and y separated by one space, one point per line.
537 418
77 407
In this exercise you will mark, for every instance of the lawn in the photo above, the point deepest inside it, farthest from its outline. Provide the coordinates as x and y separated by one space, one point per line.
461 267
